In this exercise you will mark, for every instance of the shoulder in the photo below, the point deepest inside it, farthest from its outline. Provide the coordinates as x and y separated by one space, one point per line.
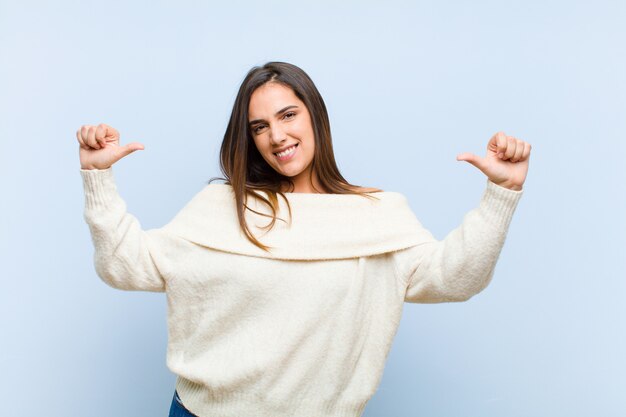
368 189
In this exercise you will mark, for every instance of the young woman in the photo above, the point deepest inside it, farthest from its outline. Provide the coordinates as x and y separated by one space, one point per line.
285 284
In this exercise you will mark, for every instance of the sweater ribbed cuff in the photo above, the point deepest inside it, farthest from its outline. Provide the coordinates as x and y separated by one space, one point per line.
99 186
204 402
498 204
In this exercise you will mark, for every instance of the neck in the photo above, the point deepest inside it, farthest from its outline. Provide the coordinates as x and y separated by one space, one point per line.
306 182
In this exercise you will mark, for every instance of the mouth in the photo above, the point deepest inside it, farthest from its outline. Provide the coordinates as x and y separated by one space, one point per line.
287 154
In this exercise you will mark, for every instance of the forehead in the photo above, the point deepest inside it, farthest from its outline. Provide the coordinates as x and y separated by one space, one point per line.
269 98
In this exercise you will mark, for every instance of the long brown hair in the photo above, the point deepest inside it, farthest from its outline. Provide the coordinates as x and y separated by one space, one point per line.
244 167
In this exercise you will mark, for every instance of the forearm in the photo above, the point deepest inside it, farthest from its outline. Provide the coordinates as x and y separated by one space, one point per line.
462 264
122 255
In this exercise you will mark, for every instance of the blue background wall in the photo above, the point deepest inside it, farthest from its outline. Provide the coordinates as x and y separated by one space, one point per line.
428 80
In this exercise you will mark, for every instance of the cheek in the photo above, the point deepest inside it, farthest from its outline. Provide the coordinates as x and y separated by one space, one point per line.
305 133
303 127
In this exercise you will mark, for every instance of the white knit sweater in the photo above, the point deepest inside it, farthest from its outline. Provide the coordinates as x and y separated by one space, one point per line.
305 330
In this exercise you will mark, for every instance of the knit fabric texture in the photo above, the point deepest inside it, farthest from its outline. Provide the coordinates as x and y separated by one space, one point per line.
305 329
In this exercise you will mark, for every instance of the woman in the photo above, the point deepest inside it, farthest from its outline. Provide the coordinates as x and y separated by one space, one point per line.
288 306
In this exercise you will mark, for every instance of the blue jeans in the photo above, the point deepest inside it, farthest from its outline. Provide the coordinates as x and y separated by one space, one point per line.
177 409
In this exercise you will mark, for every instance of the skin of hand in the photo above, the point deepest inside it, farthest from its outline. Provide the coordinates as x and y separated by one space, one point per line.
100 146
506 162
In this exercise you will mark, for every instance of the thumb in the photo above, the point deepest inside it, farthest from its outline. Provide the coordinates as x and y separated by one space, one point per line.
475 160
129 148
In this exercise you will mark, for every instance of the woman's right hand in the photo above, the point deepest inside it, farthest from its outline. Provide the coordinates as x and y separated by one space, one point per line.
100 146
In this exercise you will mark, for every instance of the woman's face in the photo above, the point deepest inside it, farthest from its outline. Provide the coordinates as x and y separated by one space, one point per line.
279 121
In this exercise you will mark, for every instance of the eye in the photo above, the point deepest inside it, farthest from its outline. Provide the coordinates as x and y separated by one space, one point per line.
288 115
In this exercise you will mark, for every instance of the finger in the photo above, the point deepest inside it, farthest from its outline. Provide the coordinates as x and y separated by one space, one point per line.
91 137
135 146
511 145
84 134
111 131
130 148
519 151
81 143
501 143
492 145
475 160
100 135
526 153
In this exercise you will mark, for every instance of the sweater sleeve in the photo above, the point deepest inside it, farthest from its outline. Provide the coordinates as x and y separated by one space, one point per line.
462 264
123 255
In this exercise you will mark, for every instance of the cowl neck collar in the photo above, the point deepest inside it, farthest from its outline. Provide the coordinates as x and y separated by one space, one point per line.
323 226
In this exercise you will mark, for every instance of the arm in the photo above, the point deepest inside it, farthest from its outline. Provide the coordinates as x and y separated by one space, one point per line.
123 255
461 265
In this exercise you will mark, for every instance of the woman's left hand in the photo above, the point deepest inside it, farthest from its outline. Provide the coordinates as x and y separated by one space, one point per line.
506 162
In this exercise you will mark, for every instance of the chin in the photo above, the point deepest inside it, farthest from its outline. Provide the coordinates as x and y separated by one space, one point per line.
289 172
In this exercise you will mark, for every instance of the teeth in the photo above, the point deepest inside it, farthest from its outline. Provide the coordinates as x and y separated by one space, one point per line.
286 151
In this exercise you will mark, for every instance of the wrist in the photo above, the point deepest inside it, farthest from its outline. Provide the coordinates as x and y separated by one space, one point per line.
508 185
90 167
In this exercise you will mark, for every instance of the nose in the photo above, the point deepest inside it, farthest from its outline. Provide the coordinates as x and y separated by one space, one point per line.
277 134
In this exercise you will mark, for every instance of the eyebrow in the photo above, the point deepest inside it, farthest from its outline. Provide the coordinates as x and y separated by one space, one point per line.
277 113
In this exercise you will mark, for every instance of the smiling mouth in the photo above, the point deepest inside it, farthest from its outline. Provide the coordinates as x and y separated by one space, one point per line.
288 151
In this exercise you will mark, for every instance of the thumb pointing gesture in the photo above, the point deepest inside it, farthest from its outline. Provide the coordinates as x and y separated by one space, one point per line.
506 161
100 146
